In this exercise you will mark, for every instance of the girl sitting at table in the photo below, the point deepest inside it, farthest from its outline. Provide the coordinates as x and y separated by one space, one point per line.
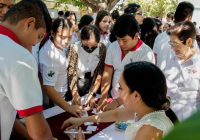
86 64
103 22
183 70
145 102
53 64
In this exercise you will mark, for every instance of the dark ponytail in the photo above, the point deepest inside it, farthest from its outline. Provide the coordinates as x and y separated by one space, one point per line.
149 81
58 23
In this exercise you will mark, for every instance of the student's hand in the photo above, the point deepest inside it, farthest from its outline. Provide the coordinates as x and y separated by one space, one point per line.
72 123
111 106
78 136
90 101
75 27
76 109
102 104
76 99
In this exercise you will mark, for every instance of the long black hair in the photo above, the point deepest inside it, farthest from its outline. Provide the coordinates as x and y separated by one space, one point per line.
149 81
148 35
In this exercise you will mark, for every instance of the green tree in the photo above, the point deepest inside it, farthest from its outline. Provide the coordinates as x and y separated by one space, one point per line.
155 8
95 5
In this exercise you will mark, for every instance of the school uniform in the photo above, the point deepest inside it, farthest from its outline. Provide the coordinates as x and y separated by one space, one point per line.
84 67
35 52
115 59
163 51
183 85
74 38
53 67
20 90
105 39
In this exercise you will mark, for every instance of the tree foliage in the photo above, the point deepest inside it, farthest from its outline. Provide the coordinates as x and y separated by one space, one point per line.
95 5
155 8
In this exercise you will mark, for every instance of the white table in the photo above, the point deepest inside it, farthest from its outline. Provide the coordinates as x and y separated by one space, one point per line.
109 133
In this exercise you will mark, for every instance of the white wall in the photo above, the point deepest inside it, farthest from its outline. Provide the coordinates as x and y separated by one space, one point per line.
196 14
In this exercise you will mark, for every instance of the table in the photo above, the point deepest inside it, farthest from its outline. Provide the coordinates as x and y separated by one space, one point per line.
109 133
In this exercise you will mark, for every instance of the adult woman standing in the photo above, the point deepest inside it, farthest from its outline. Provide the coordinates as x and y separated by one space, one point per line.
86 64
144 100
183 70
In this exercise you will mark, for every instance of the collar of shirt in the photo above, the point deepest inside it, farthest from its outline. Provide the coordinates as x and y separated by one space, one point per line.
134 49
192 59
106 33
53 47
5 31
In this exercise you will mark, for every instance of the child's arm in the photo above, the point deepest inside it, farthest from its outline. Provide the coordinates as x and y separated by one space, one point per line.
19 128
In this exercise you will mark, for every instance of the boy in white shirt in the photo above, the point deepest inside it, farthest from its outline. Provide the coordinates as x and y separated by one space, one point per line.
22 27
127 49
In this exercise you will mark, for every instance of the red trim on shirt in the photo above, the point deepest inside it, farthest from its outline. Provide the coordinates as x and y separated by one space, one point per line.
110 66
30 111
104 33
138 45
5 31
135 48
122 54
155 54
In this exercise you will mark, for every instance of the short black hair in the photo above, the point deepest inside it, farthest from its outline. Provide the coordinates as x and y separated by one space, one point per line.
115 15
90 30
170 15
61 13
85 20
195 23
68 13
131 8
126 25
183 11
29 8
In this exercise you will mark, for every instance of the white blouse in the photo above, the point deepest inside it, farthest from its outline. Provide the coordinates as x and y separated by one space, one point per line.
157 119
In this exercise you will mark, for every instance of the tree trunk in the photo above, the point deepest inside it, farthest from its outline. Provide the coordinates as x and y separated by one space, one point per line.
105 5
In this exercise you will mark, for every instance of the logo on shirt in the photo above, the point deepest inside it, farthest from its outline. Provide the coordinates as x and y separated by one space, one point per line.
194 71
50 73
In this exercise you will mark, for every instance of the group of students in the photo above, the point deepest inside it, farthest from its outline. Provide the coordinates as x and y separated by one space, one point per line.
75 59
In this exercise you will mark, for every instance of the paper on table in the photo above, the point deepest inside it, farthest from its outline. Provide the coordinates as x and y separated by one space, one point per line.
91 128
95 111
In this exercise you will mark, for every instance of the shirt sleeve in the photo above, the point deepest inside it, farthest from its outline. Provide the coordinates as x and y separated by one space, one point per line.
155 46
109 60
23 89
149 56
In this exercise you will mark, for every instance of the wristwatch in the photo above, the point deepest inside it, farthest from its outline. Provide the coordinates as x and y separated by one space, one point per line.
93 94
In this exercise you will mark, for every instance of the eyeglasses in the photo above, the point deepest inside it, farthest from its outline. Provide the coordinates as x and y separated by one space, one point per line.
141 14
174 44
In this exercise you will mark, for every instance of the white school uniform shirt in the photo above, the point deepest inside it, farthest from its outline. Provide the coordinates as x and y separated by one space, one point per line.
74 38
115 59
163 51
53 66
105 39
183 85
87 62
35 52
20 90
